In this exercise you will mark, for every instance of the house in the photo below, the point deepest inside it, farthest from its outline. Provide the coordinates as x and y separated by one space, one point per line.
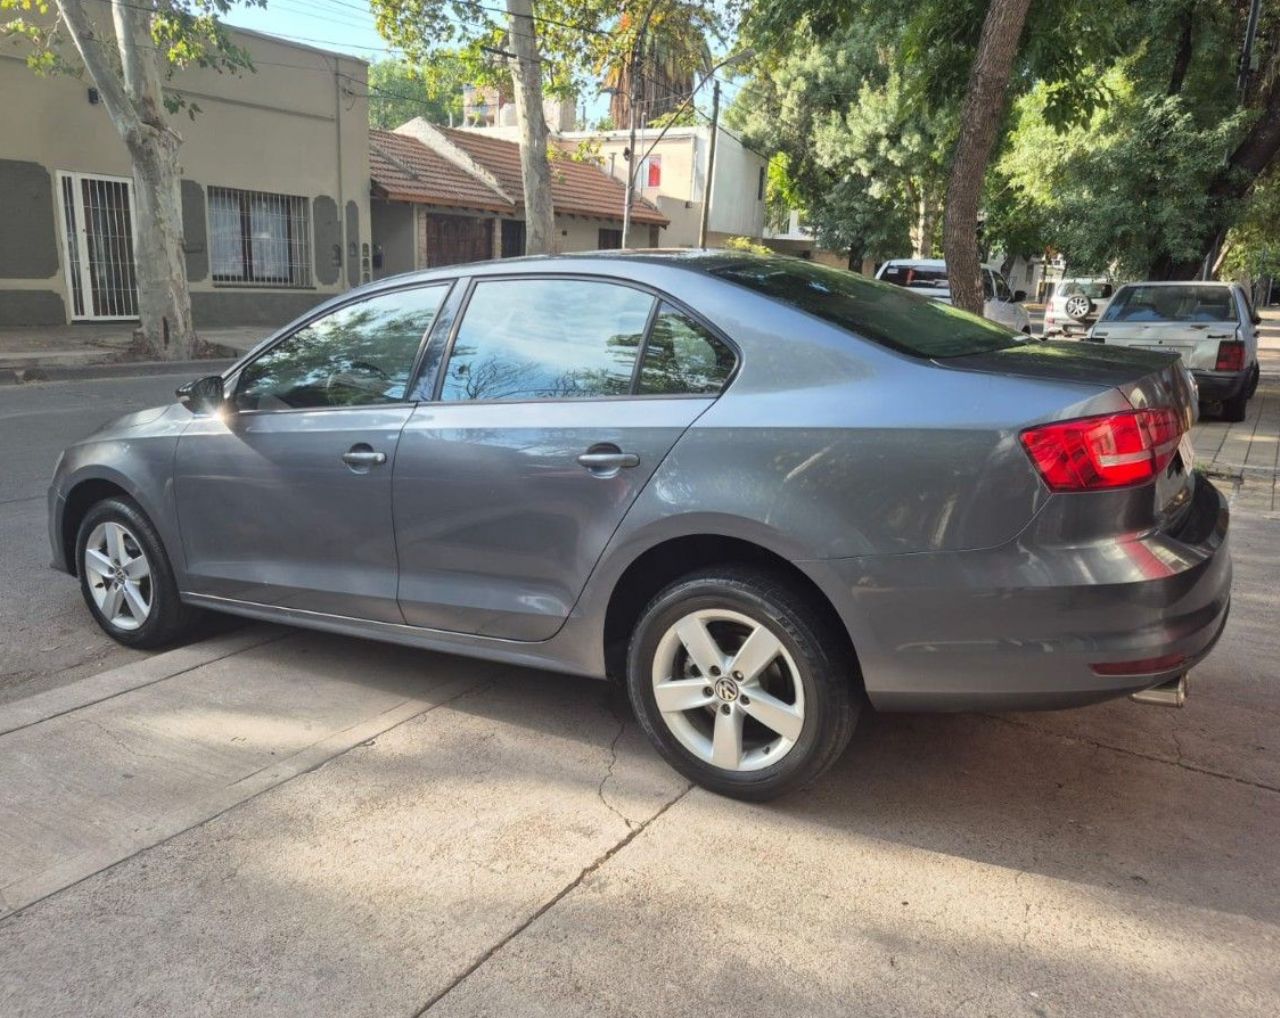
441 196
275 189
672 173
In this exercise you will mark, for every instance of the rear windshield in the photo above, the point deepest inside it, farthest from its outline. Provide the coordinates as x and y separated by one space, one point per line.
1188 303
1094 290
899 319
915 278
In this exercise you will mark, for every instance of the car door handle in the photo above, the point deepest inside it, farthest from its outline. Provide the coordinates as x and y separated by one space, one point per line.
362 456
608 460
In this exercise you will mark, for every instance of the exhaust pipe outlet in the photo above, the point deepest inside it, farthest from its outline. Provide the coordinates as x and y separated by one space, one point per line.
1168 694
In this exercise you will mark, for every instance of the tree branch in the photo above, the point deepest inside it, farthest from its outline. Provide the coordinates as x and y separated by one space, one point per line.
98 64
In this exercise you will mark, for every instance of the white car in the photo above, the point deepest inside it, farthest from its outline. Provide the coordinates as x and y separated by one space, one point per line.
929 276
1211 325
1076 305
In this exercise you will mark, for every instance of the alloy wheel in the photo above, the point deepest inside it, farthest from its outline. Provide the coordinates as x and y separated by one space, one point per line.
728 690
119 575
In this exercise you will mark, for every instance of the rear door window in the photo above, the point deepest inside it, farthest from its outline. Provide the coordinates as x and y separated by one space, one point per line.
888 315
535 338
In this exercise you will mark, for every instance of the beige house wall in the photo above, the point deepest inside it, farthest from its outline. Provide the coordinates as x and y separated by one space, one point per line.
296 125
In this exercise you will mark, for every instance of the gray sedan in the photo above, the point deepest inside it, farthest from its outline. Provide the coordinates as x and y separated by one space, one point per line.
762 493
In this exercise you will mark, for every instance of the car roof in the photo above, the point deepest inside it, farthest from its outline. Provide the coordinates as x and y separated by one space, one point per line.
929 263
1184 282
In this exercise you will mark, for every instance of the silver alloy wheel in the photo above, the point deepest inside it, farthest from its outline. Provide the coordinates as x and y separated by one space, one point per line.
119 575
728 690
1078 306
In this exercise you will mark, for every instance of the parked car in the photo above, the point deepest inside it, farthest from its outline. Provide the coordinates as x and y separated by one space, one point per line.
929 277
1213 326
761 492
1075 305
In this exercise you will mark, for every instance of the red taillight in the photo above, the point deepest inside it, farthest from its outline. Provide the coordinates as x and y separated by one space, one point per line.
1111 451
1230 356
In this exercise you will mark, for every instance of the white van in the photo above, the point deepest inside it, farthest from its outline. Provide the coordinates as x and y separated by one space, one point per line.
929 276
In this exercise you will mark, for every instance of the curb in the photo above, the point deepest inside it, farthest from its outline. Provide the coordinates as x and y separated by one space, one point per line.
131 369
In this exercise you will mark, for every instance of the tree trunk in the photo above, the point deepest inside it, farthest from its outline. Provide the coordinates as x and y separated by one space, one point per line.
1182 55
979 122
925 222
132 96
526 73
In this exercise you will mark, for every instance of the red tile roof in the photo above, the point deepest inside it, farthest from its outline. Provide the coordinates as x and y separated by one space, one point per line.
404 169
577 189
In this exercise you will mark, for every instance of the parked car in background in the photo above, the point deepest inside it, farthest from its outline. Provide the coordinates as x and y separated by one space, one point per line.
928 276
758 491
1213 326
1075 305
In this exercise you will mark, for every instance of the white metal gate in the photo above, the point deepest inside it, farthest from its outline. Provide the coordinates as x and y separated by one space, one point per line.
97 227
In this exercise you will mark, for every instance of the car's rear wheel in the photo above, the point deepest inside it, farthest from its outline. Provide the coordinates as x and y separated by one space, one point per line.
741 683
126 578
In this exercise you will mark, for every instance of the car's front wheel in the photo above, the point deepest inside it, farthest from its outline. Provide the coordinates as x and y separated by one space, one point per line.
126 578
741 682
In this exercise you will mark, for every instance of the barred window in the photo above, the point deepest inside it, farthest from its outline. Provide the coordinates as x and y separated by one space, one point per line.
259 239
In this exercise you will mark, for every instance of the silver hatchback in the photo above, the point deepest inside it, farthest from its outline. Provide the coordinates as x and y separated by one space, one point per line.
760 492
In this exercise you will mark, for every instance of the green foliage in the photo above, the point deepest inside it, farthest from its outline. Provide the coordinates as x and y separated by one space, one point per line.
1253 245
400 91
746 244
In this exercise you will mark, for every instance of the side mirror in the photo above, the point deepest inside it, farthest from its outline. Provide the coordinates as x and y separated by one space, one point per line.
1256 318
1019 296
203 396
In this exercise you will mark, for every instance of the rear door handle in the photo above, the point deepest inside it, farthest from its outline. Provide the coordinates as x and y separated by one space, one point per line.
361 455
607 459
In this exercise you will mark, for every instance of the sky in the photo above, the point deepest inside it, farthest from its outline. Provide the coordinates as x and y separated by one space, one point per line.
347 26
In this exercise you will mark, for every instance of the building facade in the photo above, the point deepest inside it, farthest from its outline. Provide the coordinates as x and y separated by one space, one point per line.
443 196
275 190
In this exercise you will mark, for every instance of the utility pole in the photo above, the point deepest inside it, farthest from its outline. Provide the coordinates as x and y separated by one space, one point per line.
711 164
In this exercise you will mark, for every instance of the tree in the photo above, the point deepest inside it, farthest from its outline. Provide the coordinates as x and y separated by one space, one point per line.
672 54
400 91
980 118
129 60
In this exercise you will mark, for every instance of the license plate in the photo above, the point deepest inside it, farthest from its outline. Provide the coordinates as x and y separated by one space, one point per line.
1187 452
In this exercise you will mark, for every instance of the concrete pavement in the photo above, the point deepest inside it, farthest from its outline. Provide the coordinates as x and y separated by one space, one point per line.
277 822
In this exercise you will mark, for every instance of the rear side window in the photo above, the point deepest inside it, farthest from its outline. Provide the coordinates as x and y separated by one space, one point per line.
523 339
888 315
1182 303
682 357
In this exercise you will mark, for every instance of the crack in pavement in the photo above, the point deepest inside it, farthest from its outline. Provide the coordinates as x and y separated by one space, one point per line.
613 760
552 902
1179 762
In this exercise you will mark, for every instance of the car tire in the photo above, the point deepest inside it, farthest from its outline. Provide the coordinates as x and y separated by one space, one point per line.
128 583
809 690
1236 408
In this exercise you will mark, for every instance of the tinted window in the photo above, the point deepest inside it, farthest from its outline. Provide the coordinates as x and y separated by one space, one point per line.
1002 288
683 357
916 278
358 355
1183 303
546 339
893 317
1092 290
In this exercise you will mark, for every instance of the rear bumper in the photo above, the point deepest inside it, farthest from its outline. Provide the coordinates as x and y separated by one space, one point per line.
1018 627
1217 386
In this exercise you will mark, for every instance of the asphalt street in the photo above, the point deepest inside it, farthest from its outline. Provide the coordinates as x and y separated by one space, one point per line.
275 822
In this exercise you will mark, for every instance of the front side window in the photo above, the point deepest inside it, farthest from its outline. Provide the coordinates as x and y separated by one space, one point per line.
259 239
525 339
683 358
888 315
1181 303
1002 288
359 355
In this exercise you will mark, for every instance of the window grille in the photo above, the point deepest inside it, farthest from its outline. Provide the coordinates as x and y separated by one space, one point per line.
259 239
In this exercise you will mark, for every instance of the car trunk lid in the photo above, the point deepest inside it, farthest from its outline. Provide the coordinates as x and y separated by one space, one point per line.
1196 342
1147 379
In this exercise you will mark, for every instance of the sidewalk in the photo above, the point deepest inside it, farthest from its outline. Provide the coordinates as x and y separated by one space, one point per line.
41 348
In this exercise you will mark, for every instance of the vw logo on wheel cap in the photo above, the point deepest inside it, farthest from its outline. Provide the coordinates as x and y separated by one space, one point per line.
726 689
